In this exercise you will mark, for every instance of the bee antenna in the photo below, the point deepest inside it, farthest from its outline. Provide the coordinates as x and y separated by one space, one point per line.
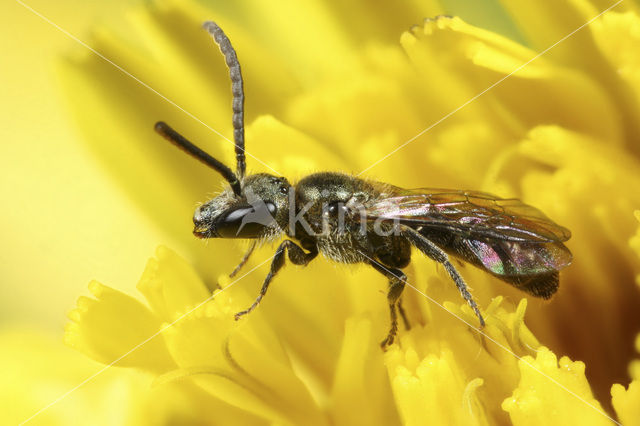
236 89
181 142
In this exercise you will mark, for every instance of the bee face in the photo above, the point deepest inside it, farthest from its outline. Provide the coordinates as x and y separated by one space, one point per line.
261 211
208 217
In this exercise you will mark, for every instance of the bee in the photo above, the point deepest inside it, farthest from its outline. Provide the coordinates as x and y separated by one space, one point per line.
352 220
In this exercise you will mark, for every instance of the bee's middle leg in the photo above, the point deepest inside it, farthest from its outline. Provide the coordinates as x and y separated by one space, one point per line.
397 278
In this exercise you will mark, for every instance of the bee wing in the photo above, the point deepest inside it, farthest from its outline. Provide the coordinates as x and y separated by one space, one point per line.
469 214
515 259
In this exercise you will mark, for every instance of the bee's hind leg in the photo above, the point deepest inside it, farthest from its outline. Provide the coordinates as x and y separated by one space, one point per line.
397 278
427 247
403 315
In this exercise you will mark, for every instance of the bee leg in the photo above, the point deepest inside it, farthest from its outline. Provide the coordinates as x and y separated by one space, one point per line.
403 315
397 278
297 256
244 259
436 253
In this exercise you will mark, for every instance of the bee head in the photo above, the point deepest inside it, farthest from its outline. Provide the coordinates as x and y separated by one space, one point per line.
250 207
260 211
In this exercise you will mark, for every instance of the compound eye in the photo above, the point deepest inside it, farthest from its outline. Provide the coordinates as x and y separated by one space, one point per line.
246 221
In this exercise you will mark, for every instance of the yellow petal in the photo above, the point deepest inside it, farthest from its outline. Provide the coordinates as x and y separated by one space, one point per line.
553 393
617 36
360 391
467 60
33 382
447 372
171 285
437 391
116 328
362 115
627 403
297 154
241 363
545 23
597 48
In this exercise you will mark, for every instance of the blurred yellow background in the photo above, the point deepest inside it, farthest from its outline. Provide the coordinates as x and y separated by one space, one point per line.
64 222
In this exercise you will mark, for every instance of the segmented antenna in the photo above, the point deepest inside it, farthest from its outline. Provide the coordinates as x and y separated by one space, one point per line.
181 142
237 89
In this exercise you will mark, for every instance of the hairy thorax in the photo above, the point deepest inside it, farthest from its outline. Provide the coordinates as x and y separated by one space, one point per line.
330 208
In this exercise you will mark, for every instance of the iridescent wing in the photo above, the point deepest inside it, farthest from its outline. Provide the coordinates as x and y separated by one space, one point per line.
470 214
511 259
506 237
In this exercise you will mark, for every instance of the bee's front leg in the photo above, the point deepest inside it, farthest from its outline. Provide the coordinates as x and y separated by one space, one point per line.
244 259
297 256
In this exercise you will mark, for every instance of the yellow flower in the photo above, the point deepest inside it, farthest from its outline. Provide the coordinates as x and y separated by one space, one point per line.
39 371
300 368
561 133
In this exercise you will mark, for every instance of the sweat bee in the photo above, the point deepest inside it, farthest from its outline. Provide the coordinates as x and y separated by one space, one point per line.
352 220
